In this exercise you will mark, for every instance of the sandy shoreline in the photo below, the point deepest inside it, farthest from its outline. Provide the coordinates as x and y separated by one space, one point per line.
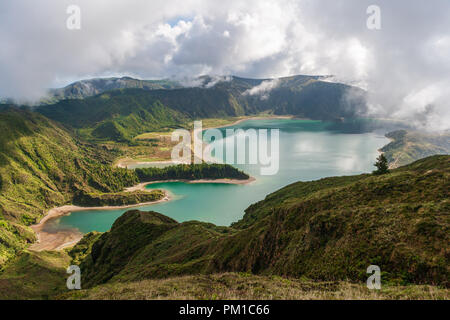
250 118
141 186
48 240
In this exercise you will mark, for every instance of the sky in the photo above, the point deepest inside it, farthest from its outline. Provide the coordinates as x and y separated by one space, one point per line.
404 65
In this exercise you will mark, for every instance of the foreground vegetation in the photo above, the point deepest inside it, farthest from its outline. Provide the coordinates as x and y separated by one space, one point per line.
244 286
42 275
34 275
309 240
327 230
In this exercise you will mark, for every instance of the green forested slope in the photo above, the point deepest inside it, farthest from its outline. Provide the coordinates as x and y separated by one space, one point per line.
41 166
118 115
330 229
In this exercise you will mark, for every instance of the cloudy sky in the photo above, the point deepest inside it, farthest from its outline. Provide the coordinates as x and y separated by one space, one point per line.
405 65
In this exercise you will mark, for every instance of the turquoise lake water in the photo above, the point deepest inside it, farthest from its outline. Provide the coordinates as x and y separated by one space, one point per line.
308 150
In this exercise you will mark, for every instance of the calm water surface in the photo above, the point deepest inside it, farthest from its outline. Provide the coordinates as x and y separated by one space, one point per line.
309 150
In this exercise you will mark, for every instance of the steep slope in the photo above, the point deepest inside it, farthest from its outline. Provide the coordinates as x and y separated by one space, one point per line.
409 146
42 166
34 275
117 115
330 229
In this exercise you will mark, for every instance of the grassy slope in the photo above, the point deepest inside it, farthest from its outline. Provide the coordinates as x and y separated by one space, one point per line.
43 166
35 275
330 229
117 115
242 286
409 146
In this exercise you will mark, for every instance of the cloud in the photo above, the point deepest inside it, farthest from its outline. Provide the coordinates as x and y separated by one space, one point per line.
263 89
405 66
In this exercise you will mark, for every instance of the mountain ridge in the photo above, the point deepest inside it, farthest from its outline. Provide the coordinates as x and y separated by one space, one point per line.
120 115
89 87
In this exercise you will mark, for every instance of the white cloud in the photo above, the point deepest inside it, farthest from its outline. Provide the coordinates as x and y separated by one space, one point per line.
409 56
263 90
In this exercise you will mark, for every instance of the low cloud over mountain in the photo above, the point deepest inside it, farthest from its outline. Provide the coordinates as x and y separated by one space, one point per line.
404 66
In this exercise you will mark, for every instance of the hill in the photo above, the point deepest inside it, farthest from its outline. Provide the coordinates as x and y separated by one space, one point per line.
408 146
91 87
42 275
42 166
117 115
331 229
34 275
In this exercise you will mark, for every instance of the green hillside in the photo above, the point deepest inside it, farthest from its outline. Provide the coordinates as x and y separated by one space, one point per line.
408 146
43 166
118 115
34 275
331 229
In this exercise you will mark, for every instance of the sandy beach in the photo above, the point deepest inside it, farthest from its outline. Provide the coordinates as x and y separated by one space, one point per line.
141 186
250 118
50 240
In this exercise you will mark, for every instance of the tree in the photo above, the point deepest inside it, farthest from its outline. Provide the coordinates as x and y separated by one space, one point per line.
382 165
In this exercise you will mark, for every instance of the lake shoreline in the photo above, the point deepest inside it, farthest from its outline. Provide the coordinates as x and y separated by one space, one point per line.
253 118
61 239
49 240
141 186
